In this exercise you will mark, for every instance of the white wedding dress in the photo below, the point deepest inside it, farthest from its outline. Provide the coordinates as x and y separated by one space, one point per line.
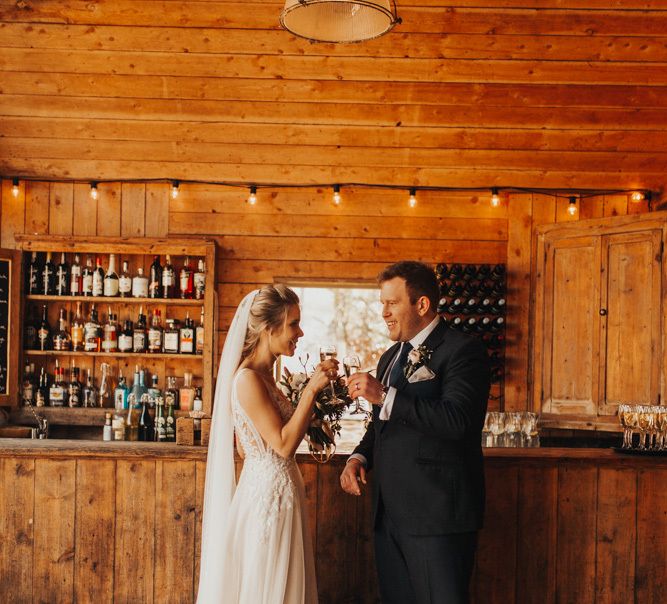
268 556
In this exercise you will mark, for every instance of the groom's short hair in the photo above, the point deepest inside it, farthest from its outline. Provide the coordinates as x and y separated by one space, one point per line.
419 280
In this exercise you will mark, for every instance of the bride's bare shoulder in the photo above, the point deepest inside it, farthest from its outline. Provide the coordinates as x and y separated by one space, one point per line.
250 386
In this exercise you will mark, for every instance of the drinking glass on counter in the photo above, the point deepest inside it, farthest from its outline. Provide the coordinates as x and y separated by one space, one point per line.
649 422
510 429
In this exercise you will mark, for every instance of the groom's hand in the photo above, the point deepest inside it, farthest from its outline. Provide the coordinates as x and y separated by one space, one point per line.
364 384
352 475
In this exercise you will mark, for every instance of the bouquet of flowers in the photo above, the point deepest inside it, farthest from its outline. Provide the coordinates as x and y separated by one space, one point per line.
330 406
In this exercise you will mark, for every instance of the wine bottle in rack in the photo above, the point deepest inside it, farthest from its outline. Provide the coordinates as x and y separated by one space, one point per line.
125 337
497 306
139 333
483 272
168 279
455 271
62 339
469 272
111 278
87 278
92 332
48 277
76 330
98 278
155 279
155 333
62 276
44 332
125 281
140 286
75 285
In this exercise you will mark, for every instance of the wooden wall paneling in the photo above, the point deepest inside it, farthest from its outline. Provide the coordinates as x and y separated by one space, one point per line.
85 212
61 213
638 207
13 214
364 567
95 512
134 549
175 489
591 207
616 205
310 481
37 213
200 481
615 544
108 209
157 210
519 225
53 556
133 209
17 528
577 513
651 581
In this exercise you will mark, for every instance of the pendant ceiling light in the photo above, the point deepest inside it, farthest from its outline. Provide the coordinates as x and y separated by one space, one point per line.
339 20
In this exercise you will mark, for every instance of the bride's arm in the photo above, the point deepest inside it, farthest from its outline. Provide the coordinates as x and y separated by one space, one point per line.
283 438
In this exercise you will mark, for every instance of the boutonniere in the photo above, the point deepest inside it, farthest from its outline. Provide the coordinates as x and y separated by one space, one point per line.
417 357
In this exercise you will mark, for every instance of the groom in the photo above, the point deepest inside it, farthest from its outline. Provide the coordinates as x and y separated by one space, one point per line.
424 444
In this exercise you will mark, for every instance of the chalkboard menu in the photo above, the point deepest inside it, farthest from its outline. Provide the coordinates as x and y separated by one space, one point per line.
10 330
5 311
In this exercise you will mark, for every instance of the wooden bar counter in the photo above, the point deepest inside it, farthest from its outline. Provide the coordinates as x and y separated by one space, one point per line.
85 521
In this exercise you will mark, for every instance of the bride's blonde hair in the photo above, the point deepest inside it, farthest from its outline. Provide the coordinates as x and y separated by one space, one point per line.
268 311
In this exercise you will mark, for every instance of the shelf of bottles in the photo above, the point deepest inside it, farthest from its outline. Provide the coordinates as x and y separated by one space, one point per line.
473 300
105 332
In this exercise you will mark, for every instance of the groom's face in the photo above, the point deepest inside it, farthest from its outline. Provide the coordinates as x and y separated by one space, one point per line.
402 317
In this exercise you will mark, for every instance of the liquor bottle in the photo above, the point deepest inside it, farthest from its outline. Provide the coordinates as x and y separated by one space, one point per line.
138 386
75 278
90 392
186 336
121 393
48 277
199 334
497 306
200 280
186 284
118 425
186 394
140 284
92 333
98 278
139 336
44 332
28 385
160 433
170 342
125 282
125 337
170 422
154 392
74 390
132 419
34 275
146 425
197 405
58 391
155 333
87 278
76 330
168 279
106 394
62 276
111 278
107 429
30 328
155 281
42 393
110 331
62 339
171 393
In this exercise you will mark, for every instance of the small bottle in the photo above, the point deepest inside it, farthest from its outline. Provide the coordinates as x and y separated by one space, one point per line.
155 333
140 284
125 281
171 393
76 330
90 392
58 390
154 391
171 333
105 385
132 419
186 281
111 278
107 431
155 281
186 394
48 277
75 284
87 278
74 389
197 405
139 336
200 280
62 276
62 339
138 386
186 336
160 434
98 278
92 336
199 334
42 393
110 341
125 337
170 422
34 284
120 393
44 332
28 385
146 425
118 425
168 279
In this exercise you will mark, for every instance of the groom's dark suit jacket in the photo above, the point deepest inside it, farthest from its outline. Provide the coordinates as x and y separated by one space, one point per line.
427 459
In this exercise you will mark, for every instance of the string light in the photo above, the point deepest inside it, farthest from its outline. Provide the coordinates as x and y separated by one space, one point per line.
93 190
336 195
174 189
15 187
495 198
572 208
637 196
412 200
252 198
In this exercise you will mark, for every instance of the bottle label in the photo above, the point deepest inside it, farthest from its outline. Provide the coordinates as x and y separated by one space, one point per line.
61 282
139 341
74 396
111 287
90 335
154 340
40 399
170 398
200 285
187 341
43 336
124 285
87 284
75 281
140 287
185 277
167 278
77 336
57 396
120 398
110 343
171 341
200 340
46 279
98 284
33 280
125 342
28 393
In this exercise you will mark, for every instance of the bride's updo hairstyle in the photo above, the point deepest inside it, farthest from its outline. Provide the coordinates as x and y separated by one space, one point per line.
268 311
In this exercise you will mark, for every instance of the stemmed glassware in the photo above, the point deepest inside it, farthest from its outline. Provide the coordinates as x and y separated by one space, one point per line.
326 353
497 427
352 365
529 433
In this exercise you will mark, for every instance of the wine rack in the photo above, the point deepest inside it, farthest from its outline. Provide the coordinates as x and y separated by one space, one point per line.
473 300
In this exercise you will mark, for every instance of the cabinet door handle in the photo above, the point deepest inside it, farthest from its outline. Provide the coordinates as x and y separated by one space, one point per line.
603 312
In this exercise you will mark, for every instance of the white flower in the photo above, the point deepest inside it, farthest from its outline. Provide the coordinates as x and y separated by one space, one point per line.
298 379
414 356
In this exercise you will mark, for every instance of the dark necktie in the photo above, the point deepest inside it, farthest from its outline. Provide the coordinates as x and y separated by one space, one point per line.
396 374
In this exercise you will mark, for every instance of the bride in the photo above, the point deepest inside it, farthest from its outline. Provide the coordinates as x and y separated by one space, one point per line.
256 547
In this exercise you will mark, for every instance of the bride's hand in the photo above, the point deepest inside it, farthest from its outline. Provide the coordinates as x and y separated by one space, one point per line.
323 374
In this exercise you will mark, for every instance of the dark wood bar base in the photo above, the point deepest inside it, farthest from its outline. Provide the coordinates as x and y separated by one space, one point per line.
86 521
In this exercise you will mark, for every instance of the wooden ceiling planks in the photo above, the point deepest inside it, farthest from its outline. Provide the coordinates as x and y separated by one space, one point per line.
555 94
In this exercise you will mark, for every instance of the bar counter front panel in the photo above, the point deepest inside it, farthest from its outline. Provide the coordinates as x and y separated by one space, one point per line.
89 521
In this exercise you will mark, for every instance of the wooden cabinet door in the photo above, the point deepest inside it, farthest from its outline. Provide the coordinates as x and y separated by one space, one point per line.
568 330
630 325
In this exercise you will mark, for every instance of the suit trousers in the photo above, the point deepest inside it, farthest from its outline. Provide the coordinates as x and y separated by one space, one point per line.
415 569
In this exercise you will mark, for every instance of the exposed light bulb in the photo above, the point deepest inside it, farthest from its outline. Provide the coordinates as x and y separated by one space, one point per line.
252 198
637 196
93 190
572 208
412 200
336 195
15 187
174 189
495 198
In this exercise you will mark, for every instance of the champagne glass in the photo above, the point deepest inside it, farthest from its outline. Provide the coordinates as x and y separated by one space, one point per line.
326 353
352 365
